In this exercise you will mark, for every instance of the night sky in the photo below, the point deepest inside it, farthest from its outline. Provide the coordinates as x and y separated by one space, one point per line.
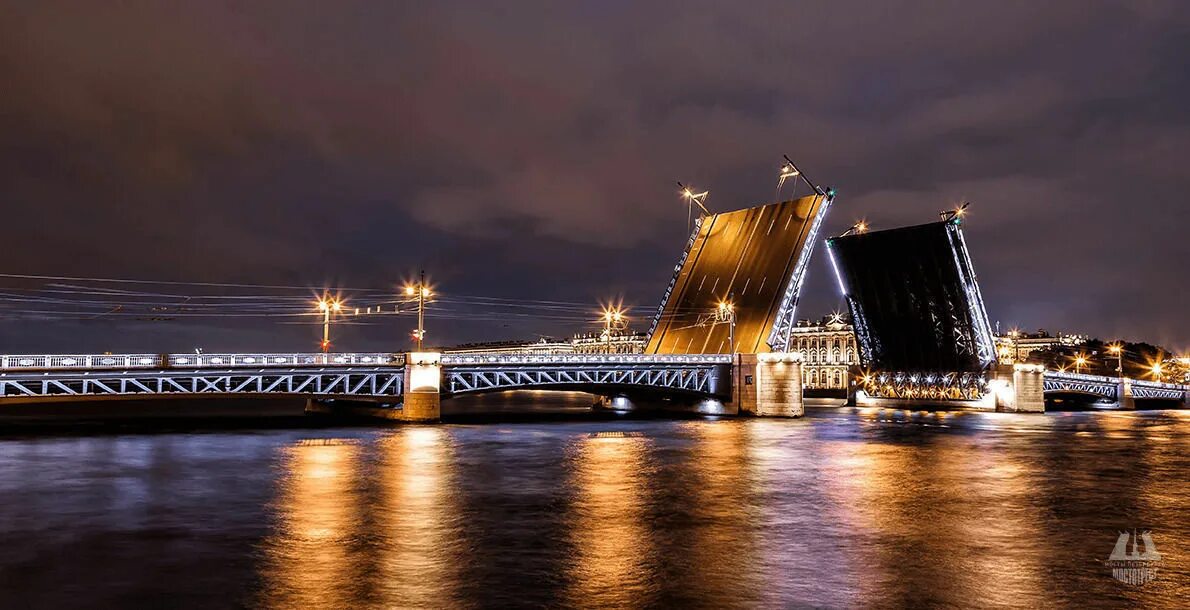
529 150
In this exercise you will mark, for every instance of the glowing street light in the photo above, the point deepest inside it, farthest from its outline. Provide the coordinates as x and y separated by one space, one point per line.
956 213
725 312
612 314
693 198
1156 371
421 291
787 171
1079 362
1117 349
328 305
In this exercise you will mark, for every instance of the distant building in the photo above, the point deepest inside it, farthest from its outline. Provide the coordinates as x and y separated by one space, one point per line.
617 343
828 351
545 345
1016 346
592 343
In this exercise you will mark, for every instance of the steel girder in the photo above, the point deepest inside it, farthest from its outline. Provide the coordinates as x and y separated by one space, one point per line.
704 379
377 382
1106 389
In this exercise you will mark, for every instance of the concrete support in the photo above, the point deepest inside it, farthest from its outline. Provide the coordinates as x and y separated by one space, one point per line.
1020 388
768 385
423 379
1124 395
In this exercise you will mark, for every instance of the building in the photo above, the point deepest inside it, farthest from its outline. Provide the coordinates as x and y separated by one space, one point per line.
1016 346
545 345
590 343
828 351
600 343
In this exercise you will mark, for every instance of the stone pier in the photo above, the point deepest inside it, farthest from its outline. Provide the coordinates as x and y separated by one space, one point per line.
768 385
423 378
1019 388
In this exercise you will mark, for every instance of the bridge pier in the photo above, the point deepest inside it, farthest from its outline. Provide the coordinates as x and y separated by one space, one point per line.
423 380
768 385
1124 396
1020 389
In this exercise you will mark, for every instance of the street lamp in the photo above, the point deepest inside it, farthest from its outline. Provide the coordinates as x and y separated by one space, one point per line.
328 305
420 291
1117 349
611 314
725 312
693 198
1156 371
1079 362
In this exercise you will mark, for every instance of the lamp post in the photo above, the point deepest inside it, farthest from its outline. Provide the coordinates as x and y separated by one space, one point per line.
421 292
1117 349
610 315
1079 362
725 312
327 306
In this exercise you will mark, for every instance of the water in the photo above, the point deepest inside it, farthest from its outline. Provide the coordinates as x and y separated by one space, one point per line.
844 508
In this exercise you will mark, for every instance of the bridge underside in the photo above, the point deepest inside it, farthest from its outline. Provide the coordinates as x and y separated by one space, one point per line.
914 300
754 258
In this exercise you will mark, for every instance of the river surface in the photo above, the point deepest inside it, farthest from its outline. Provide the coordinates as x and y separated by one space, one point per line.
843 508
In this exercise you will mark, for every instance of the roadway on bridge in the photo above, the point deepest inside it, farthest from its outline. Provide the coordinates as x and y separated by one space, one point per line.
746 257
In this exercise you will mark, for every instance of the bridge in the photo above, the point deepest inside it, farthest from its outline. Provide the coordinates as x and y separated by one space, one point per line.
407 386
922 331
1117 389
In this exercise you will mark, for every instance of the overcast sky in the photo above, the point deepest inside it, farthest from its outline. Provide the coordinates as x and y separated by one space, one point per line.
530 149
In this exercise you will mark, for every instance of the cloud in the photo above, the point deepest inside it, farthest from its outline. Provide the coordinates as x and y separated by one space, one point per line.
305 138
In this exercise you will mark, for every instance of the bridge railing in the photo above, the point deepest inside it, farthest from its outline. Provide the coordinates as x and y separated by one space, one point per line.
579 359
33 362
1110 380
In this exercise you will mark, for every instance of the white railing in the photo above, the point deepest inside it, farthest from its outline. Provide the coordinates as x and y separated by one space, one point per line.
629 359
151 361
1065 375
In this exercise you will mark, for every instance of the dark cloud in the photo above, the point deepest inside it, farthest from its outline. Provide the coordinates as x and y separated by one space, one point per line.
530 148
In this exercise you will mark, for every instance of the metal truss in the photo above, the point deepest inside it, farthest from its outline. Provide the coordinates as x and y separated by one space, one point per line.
617 359
158 361
699 378
1109 387
1141 389
985 342
779 339
674 280
371 383
925 386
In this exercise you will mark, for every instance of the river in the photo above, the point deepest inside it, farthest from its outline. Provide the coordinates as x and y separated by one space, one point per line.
843 508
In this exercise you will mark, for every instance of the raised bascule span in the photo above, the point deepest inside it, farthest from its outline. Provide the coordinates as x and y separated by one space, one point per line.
920 322
753 258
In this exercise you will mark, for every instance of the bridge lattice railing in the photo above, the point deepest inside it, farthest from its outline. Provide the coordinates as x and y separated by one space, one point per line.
151 361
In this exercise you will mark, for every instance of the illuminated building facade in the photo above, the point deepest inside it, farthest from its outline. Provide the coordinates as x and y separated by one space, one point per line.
828 352
1017 346
591 343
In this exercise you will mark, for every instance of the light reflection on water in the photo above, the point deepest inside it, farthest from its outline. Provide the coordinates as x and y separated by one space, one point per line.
844 508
